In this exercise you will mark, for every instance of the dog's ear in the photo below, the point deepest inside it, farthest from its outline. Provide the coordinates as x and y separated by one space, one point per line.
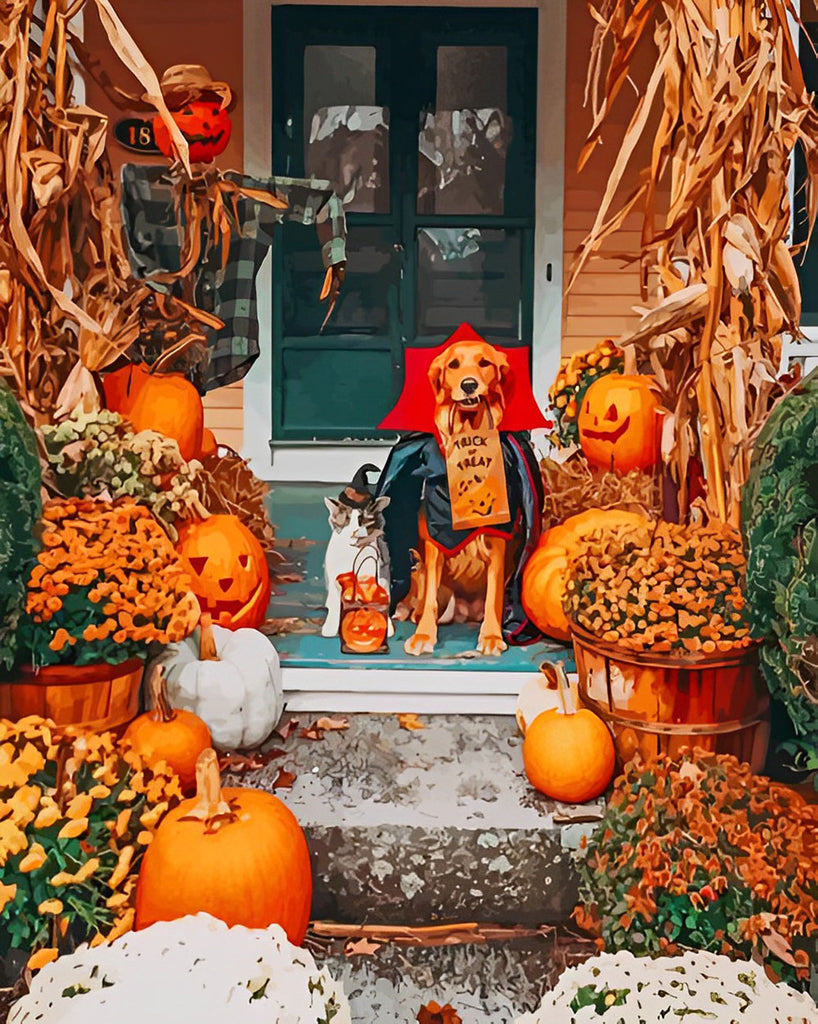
501 362
436 369
379 504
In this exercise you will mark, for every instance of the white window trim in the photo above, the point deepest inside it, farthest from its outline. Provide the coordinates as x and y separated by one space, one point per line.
336 463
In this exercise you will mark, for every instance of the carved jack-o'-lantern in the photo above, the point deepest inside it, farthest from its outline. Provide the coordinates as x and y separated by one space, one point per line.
228 570
364 630
619 423
205 125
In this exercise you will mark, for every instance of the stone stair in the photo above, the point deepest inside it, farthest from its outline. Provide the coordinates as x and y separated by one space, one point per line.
427 828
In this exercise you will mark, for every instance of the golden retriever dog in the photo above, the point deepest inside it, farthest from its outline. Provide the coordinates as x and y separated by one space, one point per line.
466 378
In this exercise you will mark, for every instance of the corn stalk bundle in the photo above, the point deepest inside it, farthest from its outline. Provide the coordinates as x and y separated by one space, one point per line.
68 302
716 215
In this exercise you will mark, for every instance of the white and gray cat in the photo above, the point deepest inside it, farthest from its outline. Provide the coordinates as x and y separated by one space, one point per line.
357 523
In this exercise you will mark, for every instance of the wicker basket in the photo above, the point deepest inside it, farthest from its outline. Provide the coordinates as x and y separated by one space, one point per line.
658 703
96 697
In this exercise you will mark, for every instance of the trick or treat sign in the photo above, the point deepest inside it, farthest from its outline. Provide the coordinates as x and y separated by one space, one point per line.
477 477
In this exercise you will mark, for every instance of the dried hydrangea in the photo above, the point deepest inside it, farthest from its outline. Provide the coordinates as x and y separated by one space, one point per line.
98 455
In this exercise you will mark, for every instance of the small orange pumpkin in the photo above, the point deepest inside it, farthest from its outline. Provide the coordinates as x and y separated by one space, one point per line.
363 630
165 402
238 854
619 423
206 126
548 569
168 734
228 570
568 753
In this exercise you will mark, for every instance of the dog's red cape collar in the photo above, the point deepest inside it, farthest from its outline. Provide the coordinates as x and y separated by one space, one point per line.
415 408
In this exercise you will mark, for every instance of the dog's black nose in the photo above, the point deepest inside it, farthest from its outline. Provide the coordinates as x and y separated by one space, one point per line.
469 385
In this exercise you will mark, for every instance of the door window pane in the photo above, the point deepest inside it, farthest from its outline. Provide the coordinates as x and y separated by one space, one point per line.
472 275
346 133
463 143
369 291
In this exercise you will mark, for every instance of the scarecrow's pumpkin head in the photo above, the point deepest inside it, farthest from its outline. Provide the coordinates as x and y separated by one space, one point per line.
205 125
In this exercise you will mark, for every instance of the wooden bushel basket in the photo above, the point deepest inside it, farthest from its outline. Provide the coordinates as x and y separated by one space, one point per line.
657 704
97 697
364 610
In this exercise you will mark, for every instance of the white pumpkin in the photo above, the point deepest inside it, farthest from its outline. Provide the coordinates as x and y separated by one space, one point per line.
539 693
231 679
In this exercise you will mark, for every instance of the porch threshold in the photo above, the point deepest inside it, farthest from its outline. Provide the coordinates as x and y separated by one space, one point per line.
317 676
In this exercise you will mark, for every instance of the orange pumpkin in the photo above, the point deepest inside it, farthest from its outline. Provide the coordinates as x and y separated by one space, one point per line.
568 753
168 734
619 423
228 570
210 445
548 569
363 630
165 402
238 854
205 125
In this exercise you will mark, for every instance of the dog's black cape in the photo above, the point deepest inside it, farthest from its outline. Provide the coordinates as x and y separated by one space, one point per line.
415 473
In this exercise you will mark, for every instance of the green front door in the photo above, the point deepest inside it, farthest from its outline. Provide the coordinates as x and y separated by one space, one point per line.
423 119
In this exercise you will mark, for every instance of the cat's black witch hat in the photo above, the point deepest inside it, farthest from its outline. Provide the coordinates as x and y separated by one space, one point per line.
358 494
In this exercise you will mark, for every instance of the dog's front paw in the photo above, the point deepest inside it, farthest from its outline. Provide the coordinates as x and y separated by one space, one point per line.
491 645
420 643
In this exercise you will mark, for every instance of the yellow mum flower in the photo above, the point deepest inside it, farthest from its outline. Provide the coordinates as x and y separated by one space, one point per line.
12 840
123 924
72 829
149 818
41 958
7 894
87 869
47 816
31 759
123 866
145 837
123 819
80 806
50 907
34 859
125 795
23 804
61 878
119 899
99 792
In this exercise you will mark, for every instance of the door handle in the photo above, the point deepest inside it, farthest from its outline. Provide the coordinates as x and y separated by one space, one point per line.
397 247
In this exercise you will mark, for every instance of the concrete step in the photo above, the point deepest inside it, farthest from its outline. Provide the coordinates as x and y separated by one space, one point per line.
435 825
485 984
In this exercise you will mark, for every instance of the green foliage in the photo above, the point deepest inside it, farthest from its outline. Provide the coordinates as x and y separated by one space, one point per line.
19 514
780 523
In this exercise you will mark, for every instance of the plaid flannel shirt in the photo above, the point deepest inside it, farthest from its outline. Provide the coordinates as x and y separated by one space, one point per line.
155 239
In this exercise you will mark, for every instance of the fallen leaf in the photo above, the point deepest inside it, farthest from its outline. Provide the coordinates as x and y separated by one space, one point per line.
332 724
434 1013
289 727
287 577
410 722
239 763
361 947
284 779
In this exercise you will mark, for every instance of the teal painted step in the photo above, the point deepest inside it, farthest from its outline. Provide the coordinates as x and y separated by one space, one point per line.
302 532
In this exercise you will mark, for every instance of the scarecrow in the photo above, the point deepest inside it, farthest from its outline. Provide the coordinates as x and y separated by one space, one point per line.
202 238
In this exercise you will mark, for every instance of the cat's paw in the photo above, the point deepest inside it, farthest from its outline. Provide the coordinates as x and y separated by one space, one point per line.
420 643
491 645
330 628
390 629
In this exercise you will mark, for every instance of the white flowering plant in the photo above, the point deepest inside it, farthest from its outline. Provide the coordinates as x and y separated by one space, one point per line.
619 988
193 969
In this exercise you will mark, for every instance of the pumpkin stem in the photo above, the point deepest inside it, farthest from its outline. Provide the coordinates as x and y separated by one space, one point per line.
170 355
207 642
568 698
157 686
210 807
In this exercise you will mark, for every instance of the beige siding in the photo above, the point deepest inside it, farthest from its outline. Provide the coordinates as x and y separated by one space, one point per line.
169 32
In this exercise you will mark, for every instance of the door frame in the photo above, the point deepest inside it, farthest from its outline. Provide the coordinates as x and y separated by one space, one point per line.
336 462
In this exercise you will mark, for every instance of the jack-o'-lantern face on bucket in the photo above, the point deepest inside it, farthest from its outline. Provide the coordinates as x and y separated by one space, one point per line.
228 570
205 125
619 423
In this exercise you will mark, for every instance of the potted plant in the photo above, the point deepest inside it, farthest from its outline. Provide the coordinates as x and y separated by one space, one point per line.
106 583
697 852
662 643
78 814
